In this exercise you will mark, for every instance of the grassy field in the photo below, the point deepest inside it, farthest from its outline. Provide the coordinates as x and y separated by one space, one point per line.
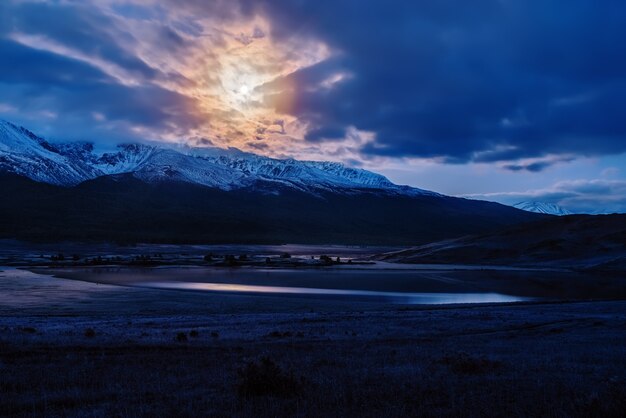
168 353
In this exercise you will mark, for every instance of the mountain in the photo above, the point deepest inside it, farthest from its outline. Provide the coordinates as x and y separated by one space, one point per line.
143 193
543 207
596 242
125 209
24 153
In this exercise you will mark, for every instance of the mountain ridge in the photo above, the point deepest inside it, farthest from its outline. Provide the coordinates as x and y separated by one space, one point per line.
68 164
122 208
543 207
144 193
585 242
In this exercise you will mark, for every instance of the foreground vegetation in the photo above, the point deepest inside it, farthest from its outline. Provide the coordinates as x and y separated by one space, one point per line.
561 360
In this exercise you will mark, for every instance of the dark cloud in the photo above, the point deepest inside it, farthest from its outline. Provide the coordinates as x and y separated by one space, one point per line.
32 80
170 39
532 167
442 78
537 166
484 81
81 28
261 146
27 66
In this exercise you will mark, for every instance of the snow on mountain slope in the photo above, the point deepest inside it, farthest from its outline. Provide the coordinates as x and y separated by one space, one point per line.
24 153
169 165
542 207
303 174
127 158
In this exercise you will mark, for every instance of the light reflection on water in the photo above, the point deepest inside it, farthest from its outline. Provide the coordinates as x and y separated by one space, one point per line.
394 297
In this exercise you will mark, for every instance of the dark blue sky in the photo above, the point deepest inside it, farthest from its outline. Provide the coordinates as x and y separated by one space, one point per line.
507 99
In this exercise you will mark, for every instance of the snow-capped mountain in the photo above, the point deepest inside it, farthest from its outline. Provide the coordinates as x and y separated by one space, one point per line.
26 154
139 193
542 207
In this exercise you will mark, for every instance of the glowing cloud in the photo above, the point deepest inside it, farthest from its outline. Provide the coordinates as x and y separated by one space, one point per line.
224 66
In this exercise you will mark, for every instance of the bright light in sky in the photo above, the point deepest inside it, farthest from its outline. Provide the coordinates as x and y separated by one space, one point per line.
239 88
528 92
244 90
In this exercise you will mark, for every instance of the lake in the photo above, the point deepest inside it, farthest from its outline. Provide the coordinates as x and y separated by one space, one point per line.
376 283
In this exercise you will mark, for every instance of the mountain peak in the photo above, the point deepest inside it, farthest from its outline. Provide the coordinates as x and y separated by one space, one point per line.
22 152
543 207
19 138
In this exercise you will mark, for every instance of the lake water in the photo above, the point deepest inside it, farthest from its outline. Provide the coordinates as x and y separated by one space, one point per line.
417 285
384 282
376 283
393 297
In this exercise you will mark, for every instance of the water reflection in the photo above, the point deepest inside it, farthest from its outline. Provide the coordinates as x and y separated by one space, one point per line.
394 297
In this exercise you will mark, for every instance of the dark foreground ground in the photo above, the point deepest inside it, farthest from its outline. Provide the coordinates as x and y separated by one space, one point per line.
69 348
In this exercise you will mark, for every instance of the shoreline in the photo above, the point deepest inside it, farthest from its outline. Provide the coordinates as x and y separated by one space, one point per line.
413 285
104 350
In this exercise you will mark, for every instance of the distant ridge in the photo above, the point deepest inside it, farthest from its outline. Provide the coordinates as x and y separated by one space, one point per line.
586 242
543 207
143 193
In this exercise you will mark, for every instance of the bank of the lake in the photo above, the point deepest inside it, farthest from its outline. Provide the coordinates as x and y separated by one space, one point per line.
74 348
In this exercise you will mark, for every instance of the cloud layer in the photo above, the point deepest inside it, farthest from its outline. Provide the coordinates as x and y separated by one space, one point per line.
486 80
482 81
520 86
598 196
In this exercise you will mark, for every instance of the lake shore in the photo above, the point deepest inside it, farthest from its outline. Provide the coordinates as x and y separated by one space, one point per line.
71 348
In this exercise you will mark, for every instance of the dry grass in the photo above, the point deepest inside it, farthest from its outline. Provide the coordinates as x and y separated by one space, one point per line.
433 363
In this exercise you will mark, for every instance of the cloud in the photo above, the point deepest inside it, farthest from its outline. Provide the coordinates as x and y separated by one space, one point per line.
522 84
532 167
52 83
442 79
79 28
537 165
578 196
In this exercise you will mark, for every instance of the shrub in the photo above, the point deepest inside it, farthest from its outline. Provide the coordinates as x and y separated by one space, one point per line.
28 330
326 259
463 363
266 378
90 333
181 337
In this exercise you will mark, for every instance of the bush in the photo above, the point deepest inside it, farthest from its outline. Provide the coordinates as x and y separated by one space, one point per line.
266 378
181 337
326 259
90 333
28 330
463 363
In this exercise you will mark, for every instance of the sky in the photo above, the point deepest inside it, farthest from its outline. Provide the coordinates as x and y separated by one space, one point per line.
505 100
